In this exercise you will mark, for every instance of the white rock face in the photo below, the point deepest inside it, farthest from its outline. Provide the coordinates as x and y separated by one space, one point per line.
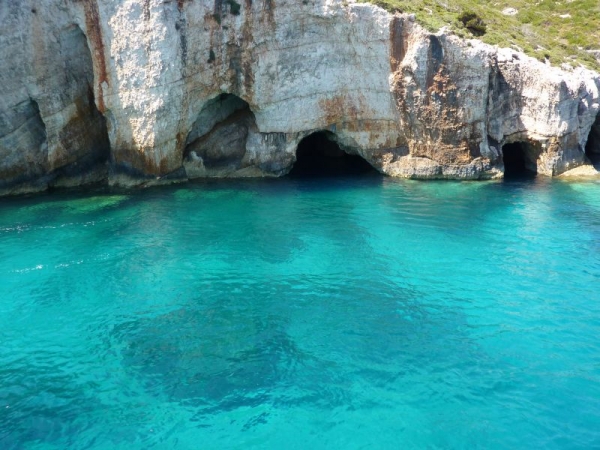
166 90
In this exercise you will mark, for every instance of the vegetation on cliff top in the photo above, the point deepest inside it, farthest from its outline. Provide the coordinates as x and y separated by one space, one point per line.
560 31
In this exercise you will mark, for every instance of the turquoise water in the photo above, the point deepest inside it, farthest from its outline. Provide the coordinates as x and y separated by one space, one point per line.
309 314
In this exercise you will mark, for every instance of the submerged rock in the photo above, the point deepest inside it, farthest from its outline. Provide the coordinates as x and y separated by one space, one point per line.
153 91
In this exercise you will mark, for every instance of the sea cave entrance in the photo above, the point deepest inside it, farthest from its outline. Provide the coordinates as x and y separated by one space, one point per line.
319 155
592 147
216 143
518 161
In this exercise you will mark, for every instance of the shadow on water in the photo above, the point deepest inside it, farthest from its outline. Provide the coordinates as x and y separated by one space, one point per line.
305 346
202 355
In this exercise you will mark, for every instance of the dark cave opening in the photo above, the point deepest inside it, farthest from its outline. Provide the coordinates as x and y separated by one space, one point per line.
318 155
517 164
592 146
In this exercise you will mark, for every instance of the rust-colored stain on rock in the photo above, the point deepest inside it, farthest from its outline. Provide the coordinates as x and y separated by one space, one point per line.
94 31
338 109
399 43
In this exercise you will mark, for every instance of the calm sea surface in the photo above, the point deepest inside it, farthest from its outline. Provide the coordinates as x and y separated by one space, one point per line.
310 314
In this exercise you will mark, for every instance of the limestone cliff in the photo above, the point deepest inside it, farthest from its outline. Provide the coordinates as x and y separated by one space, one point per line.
151 91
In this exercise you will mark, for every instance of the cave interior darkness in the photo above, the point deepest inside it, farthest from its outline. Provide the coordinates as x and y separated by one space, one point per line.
318 155
592 147
515 161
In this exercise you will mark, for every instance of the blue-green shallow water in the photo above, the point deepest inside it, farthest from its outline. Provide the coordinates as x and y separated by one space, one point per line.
346 313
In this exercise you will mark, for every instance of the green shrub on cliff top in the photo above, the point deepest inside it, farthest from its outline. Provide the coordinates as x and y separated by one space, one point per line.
234 7
561 31
473 23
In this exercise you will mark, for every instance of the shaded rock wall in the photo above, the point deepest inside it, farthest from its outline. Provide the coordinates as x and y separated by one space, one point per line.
51 132
161 90
592 148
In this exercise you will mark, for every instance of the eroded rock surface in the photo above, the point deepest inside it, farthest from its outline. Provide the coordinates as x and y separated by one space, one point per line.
151 91
51 132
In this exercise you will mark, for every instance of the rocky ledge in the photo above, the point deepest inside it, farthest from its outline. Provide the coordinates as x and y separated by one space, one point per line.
154 91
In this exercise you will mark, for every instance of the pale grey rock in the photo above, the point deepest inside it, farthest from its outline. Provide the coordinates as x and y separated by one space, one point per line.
158 91
587 171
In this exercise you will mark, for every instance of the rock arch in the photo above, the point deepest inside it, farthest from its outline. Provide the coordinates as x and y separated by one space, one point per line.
319 154
216 143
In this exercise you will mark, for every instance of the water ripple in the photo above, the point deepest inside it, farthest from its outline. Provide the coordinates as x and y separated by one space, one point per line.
331 314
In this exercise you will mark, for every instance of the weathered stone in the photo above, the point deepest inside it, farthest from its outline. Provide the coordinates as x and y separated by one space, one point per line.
164 91
51 132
